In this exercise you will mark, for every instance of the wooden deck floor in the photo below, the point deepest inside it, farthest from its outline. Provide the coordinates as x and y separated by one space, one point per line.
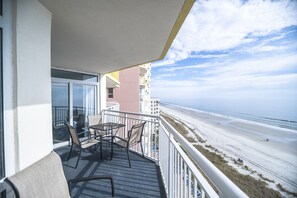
143 179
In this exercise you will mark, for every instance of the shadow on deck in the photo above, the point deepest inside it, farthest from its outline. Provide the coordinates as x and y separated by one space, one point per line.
143 179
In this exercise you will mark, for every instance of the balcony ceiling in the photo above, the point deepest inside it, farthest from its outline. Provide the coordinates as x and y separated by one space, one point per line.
100 36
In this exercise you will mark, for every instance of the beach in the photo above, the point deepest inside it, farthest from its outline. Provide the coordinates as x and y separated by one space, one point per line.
268 150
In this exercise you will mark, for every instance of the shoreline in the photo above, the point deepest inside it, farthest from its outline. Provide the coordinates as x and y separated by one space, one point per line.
247 121
275 160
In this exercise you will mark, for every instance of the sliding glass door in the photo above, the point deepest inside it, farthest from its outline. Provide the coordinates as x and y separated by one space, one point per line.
74 97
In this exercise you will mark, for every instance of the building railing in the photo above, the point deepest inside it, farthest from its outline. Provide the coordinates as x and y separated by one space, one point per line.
182 178
60 114
178 159
150 139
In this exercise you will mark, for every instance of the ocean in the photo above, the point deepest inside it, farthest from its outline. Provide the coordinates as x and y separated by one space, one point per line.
263 118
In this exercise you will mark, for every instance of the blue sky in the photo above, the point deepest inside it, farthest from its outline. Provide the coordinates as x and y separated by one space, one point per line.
237 54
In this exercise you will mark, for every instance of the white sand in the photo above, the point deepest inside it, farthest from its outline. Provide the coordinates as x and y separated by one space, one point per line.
275 159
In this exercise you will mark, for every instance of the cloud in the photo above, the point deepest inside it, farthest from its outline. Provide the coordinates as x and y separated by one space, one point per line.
272 72
223 25
256 65
187 67
164 75
208 56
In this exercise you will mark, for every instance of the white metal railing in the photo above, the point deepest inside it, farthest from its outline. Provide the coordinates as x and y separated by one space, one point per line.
149 139
163 144
182 178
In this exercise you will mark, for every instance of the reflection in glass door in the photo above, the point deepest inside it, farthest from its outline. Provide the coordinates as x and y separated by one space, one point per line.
60 111
83 105
74 97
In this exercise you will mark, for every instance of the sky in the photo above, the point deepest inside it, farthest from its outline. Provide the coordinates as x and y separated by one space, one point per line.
232 55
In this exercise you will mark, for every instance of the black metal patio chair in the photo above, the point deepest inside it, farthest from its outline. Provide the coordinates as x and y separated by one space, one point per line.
94 120
81 145
134 137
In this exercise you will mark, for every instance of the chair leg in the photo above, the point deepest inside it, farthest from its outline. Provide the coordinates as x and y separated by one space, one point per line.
128 158
70 152
141 149
101 147
79 152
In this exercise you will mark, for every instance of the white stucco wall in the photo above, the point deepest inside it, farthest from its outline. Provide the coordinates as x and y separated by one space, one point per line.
33 82
102 92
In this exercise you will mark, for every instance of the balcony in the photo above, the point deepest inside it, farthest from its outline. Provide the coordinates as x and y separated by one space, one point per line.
143 82
144 69
113 106
168 169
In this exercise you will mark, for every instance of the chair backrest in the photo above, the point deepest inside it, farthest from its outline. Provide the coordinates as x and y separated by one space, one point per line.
93 120
135 134
73 134
44 178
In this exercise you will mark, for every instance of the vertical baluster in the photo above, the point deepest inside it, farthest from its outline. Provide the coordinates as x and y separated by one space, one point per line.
176 173
148 128
181 177
55 120
185 179
202 193
126 127
155 141
178 176
145 141
195 187
172 171
189 183
150 139
171 168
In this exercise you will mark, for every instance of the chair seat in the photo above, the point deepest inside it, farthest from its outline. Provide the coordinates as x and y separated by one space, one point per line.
89 143
121 143
100 132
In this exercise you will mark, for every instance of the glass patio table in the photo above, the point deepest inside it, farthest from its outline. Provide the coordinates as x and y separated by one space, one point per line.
111 128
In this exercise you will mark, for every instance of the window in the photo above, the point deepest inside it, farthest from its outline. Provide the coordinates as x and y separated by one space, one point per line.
110 92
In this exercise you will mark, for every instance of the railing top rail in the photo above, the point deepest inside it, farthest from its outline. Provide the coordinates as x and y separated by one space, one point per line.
225 186
132 113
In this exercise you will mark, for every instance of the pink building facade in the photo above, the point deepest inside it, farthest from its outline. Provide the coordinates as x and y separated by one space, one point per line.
128 94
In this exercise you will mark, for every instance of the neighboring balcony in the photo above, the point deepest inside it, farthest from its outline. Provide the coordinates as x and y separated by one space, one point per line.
113 106
168 169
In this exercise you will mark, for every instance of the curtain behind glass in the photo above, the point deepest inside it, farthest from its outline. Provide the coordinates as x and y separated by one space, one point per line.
83 105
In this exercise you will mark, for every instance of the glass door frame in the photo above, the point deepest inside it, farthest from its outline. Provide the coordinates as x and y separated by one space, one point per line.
70 83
